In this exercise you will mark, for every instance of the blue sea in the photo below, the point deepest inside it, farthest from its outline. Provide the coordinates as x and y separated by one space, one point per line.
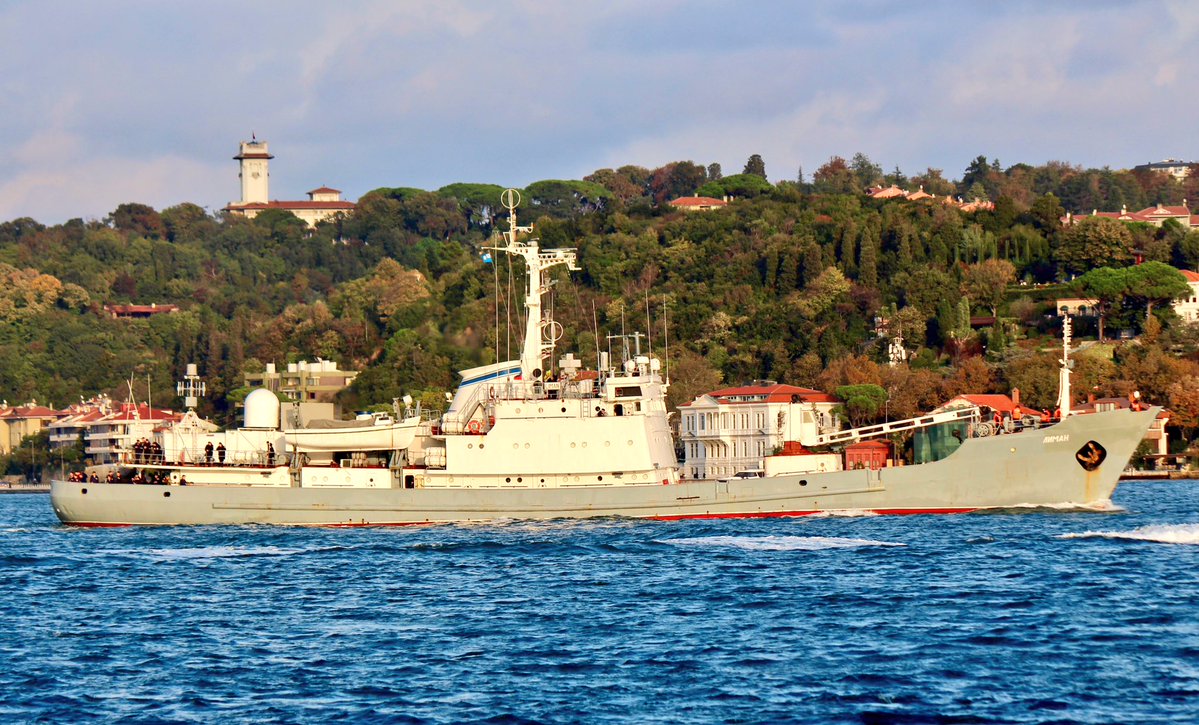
1031 617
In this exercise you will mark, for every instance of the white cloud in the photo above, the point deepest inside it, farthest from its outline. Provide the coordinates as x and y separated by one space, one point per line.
92 188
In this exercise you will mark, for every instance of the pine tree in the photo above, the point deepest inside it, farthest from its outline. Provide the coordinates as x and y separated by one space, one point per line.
756 166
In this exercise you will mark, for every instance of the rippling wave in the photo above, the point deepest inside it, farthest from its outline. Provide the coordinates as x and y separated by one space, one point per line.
1036 616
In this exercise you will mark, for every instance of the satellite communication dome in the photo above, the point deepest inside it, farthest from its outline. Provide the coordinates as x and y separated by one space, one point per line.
262 409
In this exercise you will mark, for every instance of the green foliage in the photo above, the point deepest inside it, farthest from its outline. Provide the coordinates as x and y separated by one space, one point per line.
863 403
780 284
1092 242
741 186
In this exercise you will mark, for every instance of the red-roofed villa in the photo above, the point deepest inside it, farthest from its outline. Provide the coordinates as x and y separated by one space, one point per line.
253 156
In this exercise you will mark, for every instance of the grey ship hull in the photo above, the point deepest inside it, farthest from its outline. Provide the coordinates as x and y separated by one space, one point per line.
1029 468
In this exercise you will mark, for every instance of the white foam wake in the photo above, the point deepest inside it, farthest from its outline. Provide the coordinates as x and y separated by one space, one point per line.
779 543
1161 533
844 514
207 552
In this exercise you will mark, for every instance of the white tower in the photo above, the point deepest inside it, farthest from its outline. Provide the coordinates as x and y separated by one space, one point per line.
254 173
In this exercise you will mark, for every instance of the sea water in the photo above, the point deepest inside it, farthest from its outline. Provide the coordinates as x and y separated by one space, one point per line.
1032 616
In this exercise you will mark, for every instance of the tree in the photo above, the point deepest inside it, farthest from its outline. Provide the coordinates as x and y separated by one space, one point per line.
741 186
1154 282
139 219
714 172
863 403
756 166
1107 287
976 173
1182 397
987 281
678 178
821 294
866 172
1093 242
834 177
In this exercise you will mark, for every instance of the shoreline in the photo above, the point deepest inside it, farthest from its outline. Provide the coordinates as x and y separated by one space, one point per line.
24 488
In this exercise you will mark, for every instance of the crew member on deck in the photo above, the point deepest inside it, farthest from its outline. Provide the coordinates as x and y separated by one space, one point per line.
220 453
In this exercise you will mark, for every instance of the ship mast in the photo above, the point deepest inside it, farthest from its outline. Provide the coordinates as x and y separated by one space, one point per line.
1063 380
541 331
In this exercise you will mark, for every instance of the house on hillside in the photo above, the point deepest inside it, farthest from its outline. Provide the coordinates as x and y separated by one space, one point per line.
253 157
1178 169
1155 215
698 203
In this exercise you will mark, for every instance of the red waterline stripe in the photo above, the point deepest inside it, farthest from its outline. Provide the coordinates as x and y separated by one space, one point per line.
791 514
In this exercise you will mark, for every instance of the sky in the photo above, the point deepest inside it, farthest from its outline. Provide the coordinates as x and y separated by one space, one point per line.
145 101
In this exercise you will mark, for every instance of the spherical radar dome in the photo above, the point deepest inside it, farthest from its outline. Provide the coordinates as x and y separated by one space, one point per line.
262 409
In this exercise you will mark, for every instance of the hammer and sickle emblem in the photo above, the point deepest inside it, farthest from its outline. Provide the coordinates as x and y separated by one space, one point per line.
1091 455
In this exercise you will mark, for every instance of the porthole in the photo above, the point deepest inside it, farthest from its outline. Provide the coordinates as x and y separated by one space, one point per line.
166 494
599 478
572 445
607 444
526 446
519 479
803 481
83 490
508 480
564 410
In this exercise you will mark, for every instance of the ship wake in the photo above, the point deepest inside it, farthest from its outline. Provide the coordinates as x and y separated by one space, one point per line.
1160 533
779 543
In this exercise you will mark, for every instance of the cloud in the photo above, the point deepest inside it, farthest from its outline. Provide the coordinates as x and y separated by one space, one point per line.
373 93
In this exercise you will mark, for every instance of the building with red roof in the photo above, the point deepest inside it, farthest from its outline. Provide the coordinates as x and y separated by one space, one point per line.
253 156
139 311
1155 215
20 421
698 203
110 438
1188 307
735 429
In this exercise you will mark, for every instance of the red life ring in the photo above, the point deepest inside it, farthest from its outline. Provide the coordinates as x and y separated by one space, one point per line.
472 427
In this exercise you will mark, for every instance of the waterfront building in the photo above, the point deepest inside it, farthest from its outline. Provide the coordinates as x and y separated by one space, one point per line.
20 421
735 429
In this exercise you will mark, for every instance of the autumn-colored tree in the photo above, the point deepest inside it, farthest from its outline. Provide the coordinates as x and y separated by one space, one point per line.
1182 398
834 177
972 375
138 219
